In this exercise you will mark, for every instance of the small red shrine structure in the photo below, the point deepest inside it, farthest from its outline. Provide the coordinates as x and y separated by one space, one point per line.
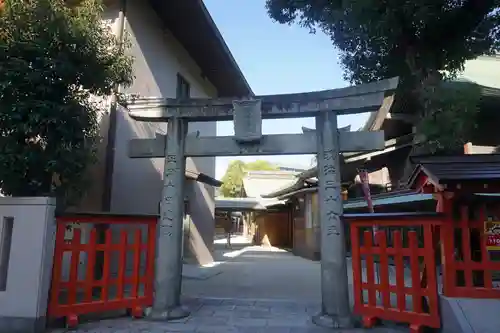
467 189
395 276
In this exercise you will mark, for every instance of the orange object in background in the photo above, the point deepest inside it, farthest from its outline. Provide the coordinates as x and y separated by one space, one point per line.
365 180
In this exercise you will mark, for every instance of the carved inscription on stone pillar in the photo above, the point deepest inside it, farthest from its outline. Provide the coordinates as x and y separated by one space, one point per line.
169 194
331 196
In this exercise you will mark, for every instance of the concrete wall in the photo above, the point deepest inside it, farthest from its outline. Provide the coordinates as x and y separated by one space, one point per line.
137 183
483 70
27 238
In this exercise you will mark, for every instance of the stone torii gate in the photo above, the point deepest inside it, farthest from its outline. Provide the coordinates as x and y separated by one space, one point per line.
326 141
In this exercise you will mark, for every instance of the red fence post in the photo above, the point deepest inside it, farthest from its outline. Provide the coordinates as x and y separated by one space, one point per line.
400 270
89 278
122 263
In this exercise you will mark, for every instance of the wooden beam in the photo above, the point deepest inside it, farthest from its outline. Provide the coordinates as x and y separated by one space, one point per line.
278 144
351 100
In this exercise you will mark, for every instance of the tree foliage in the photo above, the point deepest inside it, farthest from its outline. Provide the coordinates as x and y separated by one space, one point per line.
449 116
385 38
421 41
55 64
232 186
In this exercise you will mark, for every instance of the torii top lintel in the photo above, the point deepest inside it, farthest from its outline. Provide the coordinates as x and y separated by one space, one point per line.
350 100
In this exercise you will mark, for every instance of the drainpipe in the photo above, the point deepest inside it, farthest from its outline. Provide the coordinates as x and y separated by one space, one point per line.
110 146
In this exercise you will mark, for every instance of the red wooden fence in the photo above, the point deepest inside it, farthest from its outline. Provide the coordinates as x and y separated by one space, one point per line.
468 267
372 297
84 292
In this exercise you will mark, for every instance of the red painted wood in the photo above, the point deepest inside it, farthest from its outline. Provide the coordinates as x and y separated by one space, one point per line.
150 260
122 264
57 266
415 272
452 264
106 266
400 278
89 277
356 268
380 236
87 304
430 290
370 270
136 263
466 248
73 271
369 310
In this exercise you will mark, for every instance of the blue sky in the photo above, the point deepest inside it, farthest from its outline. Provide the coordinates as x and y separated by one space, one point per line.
276 59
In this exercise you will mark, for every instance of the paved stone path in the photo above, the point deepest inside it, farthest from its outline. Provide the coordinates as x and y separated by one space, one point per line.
212 315
258 273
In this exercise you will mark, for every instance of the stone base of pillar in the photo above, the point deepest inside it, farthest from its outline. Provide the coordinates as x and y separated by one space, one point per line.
178 312
331 321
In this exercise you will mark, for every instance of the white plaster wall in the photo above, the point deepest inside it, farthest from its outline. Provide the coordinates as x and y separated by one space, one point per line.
29 264
484 70
158 58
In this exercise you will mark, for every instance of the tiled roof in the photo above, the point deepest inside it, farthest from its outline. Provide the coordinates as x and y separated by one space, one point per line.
464 168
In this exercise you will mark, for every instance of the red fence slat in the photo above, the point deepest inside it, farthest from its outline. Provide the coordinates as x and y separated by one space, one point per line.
400 274
122 264
89 278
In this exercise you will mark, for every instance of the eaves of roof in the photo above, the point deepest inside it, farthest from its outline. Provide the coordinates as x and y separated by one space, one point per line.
192 25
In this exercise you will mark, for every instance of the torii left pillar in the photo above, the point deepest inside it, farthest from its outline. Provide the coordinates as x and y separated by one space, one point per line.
168 261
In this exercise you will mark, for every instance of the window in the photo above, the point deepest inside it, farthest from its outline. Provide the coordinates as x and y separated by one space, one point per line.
183 88
6 228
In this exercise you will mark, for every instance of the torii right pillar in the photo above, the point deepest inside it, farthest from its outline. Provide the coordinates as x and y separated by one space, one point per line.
335 307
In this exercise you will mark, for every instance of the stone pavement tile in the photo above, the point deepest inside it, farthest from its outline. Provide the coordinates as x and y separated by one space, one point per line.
249 322
227 316
239 302
300 321
275 329
316 329
206 325
207 321
217 329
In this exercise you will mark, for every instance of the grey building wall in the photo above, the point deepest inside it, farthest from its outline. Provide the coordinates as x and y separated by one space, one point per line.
137 183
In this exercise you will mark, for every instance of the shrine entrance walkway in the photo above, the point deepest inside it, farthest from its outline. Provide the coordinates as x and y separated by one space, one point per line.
254 272
250 289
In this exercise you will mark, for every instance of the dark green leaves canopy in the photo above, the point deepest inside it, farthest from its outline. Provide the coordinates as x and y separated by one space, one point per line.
56 64
422 41
386 38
